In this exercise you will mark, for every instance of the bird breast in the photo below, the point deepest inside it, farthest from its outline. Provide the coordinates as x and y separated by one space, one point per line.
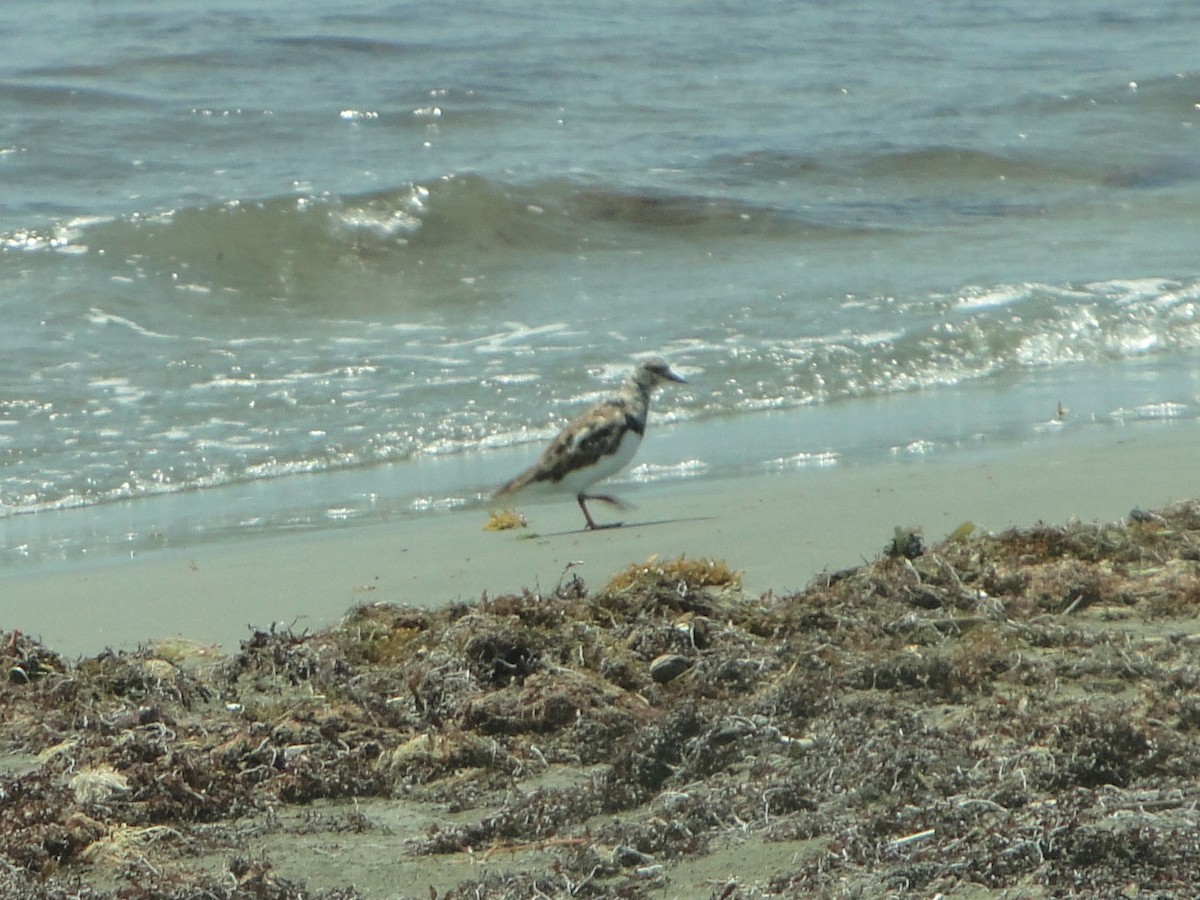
579 480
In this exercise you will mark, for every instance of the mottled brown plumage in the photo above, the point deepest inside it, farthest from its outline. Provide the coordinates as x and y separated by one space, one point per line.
598 444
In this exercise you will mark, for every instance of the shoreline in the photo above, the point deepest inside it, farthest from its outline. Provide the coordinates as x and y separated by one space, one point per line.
941 720
780 530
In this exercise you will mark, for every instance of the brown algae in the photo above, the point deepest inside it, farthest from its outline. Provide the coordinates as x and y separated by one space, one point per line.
1014 712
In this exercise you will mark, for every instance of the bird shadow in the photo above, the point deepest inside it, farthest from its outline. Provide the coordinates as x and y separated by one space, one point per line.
625 526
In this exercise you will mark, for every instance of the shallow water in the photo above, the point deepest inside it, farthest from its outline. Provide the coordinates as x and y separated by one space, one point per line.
295 266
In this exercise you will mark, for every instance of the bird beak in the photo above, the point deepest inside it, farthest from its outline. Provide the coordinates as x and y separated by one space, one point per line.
673 377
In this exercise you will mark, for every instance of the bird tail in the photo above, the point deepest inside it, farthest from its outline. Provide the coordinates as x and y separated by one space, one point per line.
509 488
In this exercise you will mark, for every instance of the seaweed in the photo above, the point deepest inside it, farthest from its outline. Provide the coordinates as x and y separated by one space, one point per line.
996 712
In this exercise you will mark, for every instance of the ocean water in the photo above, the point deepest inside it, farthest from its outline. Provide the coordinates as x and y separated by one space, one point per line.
277 265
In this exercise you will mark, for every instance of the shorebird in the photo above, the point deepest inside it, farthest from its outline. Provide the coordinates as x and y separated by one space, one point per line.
598 444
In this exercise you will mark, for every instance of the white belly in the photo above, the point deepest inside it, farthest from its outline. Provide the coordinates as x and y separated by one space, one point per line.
579 480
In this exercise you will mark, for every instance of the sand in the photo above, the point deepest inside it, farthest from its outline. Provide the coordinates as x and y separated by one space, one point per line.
1010 716
780 529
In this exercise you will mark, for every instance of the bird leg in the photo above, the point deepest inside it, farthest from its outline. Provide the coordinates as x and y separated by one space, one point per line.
609 499
592 526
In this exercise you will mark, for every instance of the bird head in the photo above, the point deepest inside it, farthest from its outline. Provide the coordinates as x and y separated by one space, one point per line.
651 372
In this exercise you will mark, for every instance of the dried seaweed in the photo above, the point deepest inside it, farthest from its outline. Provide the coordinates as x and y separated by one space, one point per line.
1009 712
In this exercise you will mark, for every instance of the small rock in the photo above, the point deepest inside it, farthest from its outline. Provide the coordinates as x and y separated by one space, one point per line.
668 667
627 857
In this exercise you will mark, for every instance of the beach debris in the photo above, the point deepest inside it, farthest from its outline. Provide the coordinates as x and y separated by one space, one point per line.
683 573
505 520
923 835
627 857
962 532
1141 516
180 650
1008 712
907 543
127 844
98 785
27 659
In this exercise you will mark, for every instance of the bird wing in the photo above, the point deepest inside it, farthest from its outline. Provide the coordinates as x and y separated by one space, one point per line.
588 439
595 434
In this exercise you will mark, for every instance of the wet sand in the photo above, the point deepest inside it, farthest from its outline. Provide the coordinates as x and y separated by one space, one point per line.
779 529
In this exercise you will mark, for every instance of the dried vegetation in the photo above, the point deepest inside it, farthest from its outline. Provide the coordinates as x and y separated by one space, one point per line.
1016 713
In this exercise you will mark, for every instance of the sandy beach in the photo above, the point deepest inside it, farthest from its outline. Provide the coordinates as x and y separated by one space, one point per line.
1008 715
780 530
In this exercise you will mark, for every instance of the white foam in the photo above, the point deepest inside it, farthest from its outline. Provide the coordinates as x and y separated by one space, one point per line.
805 460
1129 290
1150 412
97 316
647 472
920 447
1002 295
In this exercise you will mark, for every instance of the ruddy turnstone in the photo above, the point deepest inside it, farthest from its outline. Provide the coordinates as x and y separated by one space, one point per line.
598 444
